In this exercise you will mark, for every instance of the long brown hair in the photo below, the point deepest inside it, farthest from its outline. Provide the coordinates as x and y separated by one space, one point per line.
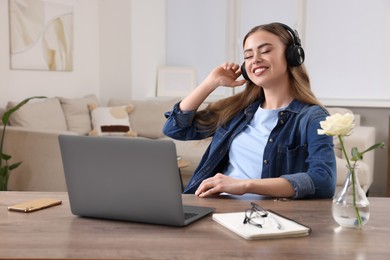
220 112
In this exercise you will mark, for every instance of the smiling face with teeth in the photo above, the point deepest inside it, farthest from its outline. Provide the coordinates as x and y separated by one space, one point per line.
265 60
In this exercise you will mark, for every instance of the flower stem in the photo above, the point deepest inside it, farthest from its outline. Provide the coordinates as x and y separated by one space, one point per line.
352 171
359 218
344 152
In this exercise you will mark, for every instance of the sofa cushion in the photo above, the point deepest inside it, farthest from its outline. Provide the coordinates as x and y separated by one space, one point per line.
148 118
77 114
111 120
39 114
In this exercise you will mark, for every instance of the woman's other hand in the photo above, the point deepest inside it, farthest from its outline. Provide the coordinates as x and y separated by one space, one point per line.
221 183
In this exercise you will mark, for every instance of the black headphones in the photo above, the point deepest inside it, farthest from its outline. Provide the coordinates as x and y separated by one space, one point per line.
295 55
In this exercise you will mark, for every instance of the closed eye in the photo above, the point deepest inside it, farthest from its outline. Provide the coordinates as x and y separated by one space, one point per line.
260 50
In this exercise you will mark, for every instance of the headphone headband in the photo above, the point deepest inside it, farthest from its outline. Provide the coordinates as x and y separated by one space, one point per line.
294 33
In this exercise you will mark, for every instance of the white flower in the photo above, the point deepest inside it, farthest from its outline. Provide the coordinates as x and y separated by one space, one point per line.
337 125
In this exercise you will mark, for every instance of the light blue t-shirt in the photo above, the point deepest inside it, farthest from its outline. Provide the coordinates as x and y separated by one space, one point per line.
247 149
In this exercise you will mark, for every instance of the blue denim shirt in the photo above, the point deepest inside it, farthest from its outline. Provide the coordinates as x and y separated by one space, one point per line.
294 150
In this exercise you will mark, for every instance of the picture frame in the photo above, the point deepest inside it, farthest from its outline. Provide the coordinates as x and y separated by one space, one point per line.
175 81
41 35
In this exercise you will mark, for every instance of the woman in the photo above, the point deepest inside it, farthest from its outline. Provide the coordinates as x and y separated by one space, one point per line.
264 139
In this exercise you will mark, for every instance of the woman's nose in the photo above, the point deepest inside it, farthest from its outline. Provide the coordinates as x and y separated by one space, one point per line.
257 60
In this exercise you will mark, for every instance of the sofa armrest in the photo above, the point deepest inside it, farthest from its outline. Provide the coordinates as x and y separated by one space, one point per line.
39 152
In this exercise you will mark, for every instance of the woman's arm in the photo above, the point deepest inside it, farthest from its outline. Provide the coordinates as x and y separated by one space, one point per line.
223 75
179 124
274 187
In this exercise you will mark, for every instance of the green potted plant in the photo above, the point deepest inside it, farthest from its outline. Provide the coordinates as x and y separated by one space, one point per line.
5 166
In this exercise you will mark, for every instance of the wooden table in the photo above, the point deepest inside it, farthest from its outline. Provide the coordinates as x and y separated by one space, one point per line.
55 233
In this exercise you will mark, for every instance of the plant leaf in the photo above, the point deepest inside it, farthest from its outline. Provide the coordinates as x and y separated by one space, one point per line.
8 113
356 156
14 165
375 146
5 157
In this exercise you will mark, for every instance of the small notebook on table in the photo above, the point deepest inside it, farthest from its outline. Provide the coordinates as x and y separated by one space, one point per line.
274 226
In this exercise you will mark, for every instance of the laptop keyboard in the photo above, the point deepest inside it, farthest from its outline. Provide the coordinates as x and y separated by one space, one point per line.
188 215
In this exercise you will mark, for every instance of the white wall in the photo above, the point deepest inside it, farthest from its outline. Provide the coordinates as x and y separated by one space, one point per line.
348 56
115 49
84 79
147 45
200 43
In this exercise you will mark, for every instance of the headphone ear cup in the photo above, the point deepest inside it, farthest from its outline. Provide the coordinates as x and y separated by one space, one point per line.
295 55
243 72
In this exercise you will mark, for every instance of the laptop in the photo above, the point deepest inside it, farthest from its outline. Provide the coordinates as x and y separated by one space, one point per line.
123 178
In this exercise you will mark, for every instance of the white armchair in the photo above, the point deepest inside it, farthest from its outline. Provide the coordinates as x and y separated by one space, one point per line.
362 137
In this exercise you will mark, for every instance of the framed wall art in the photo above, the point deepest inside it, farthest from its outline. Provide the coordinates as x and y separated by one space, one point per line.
41 35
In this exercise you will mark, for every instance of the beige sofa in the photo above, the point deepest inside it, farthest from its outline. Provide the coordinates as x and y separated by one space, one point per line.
32 138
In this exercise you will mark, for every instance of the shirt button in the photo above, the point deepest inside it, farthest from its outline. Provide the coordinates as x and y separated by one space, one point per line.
265 161
281 113
271 140
282 121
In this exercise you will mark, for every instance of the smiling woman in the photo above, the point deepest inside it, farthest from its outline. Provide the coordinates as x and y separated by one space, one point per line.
264 139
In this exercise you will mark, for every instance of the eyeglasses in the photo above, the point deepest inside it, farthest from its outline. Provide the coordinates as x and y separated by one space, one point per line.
255 215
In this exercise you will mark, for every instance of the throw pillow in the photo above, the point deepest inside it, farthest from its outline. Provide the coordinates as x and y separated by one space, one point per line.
77 114
39 114
148 116
111 120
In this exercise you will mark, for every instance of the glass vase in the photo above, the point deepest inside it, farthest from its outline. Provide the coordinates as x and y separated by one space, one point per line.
350 206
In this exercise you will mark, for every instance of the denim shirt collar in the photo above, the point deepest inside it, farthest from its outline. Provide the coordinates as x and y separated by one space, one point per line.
295 106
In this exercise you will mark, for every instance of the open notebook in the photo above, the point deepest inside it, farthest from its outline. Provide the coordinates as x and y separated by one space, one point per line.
274 226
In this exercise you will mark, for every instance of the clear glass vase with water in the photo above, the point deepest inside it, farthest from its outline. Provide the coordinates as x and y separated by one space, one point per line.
350 206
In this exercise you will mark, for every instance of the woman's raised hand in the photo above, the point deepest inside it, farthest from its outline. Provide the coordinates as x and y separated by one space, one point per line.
227 74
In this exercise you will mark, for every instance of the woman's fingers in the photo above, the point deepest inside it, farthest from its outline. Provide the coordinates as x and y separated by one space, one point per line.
230 66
